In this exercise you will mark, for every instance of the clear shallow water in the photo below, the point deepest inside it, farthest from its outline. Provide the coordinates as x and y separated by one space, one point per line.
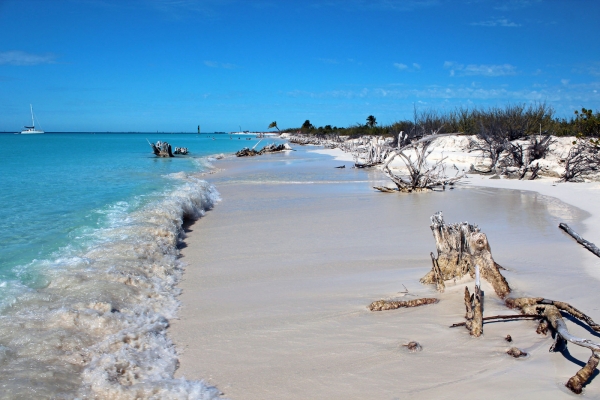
89 227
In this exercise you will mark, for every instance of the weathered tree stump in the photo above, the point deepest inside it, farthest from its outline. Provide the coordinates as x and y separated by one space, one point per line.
460 248
161 149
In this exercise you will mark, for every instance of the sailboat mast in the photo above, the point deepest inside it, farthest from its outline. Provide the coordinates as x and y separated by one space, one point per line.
32 121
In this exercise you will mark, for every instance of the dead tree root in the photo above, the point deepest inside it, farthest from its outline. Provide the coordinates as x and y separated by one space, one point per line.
577 382
461 248
382 305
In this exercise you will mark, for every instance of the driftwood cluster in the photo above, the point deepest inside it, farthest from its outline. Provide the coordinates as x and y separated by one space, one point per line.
270 148
583 159
181 150
370 151
422 175
462 249
161 149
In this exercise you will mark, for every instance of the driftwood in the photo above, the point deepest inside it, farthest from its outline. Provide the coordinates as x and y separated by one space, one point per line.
413 347
270 148
421 175
551 312
181 150
588 245
385 189
516 353
474 307
373 152
161 149
463 249
382 305
582 160
502 317
577 382
460 248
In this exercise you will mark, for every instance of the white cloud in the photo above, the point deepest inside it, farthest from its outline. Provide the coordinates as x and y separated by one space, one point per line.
588 69
183 6
23 58
480 69
502 22
565 81
214 64
404 67
396 5
328 60
516 4
564 98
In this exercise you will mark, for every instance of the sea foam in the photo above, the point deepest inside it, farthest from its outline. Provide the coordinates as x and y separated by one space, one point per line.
97 327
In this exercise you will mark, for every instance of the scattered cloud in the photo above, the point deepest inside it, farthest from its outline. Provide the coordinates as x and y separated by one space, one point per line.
328 60
396 5
403 67
481 69
178 6
565 81
23 58
502 22
335 94
583 93
399 5
508 5
590 69
214 64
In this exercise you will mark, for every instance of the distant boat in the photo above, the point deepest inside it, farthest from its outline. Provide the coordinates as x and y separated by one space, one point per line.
30 130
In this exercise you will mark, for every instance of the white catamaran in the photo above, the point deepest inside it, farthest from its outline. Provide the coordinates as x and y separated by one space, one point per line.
29 130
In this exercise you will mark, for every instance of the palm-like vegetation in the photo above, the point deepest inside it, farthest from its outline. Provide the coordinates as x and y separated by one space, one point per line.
510 122
274 125
371 121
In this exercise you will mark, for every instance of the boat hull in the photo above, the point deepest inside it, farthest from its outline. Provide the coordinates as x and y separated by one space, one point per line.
36 132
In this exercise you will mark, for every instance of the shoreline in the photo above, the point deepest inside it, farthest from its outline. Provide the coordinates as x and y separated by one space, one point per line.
251 309
581 195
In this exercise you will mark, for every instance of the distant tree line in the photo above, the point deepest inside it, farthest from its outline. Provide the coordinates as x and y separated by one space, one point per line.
510 122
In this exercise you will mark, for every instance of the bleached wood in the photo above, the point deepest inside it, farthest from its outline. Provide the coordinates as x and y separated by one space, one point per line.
588 245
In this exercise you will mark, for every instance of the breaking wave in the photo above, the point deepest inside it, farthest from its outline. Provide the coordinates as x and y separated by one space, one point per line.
95 324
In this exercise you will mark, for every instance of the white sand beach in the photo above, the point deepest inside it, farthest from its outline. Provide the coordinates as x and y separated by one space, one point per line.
280 273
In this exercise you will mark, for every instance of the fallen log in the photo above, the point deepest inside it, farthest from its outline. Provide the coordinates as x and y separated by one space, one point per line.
385 189
588 245
382 305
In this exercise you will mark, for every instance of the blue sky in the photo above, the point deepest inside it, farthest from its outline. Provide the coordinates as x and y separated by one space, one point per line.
169 65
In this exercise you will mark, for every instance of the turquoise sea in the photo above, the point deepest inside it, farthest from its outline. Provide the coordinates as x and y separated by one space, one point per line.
90 225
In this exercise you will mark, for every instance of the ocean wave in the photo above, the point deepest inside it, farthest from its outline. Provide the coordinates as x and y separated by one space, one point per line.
96 327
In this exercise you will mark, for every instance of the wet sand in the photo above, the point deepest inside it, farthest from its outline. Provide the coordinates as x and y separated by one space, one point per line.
279 276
